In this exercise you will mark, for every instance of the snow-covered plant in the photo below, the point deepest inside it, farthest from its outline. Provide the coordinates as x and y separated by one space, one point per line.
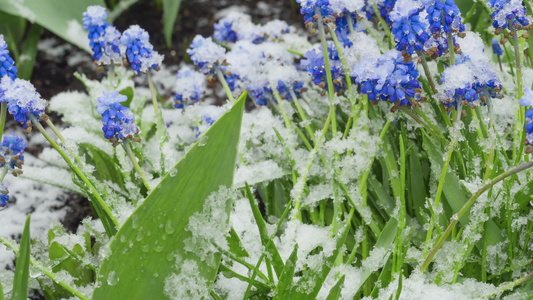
389 160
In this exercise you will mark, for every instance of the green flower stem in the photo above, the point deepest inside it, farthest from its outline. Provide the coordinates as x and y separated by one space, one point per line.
159 122
225 85
3 113
426 71
451 49
295 52
328 75
384 25
302 115
519 121
81 176
54 129
346 70
281 109
45 270
5 169
479 131
403 210
336 201
455 218
421 113
127 147
436 133
491 137
350 23
440 187
511 285
303 178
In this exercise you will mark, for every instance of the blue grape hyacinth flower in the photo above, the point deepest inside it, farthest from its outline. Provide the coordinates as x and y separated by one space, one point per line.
508 13
7 65
409 30
313 62
12 153
117 120
190 86
23 101
207 55
527 100
388 78
104 39
4 195
140 53
443 16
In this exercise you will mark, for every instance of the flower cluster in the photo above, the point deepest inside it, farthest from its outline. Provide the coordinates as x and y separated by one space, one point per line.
472 80
139 51
110 46
190 85
408 28
388 78
443 16
329 12
384 7
237 26
508 14
12 153
23 102
104 39
117 120
7 65
205 54
313 62
4 195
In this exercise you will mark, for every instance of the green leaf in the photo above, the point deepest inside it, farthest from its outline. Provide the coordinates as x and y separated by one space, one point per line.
143 252
29 52
105 166
283 289
170 14
455 194
314 278
67 24
277 262
335 292
22 269
1 292
235 245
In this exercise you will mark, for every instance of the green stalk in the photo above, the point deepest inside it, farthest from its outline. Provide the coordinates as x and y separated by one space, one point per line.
403 209
281 109
427 71
346 70
127 147
160 123
46 271
490 134
384 25
519 121
455 218
81 176
225 85
440 187
437 134
451 49
302 115
511 285
3 113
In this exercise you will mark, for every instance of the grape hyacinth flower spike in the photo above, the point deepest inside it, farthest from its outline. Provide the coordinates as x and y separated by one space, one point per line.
23 102
139 52
104 39
7 65
408 29
117 120
508 14
12 154
190 86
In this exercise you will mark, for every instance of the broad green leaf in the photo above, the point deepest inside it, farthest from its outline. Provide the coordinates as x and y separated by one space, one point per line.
170 14
29 52
335 292
13 28
22 268
144 250
277 262
62 17
283 289
417 188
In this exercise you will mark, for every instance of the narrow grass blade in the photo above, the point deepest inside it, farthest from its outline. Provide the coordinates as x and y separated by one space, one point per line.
170 14
145 251
22 269
277 262
29 52
335 292
283 289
